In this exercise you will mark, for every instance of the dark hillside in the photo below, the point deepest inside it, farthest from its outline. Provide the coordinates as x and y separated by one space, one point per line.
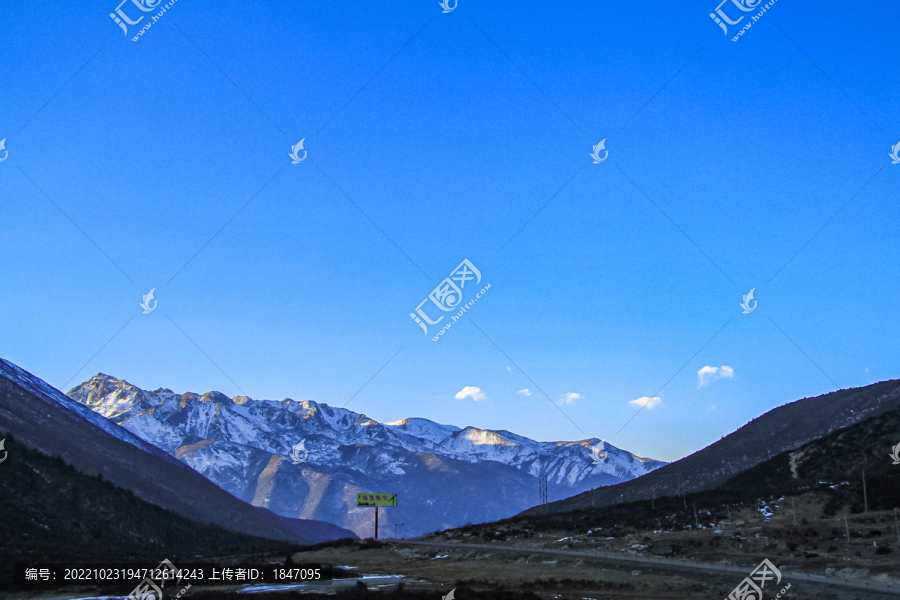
782 429
831 466
45 419
51 512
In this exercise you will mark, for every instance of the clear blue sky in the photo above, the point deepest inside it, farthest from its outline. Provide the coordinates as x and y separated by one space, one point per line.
433 124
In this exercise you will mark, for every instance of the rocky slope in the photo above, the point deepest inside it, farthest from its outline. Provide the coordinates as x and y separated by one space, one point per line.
44 419
784 428
62 515
308 460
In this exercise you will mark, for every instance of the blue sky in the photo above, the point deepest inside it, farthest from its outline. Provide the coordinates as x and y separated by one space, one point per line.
434 138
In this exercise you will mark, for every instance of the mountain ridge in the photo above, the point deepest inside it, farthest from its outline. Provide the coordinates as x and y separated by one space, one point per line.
783 428
246 446
45 419
64 515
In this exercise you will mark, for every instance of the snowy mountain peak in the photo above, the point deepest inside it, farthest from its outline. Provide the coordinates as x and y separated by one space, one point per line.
268 451
482 437
423 428
104 377
214 397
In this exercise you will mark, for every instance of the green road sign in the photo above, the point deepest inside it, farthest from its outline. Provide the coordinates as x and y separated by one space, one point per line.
376 499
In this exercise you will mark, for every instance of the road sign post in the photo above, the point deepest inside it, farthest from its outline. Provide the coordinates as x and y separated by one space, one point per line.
376 500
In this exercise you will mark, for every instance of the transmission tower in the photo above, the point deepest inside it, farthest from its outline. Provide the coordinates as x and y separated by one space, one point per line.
542 488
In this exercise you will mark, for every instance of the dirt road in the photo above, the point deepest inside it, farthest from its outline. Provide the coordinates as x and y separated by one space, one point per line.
675 564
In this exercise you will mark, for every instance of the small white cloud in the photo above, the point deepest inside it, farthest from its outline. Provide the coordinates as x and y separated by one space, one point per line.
705 375
471 392
645 401
708 374
525 392
508 369
570 398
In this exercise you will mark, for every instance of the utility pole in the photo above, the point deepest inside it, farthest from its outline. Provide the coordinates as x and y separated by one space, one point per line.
794 510
728 510
396 525
865 497
897 527
696 522
376 522
846 526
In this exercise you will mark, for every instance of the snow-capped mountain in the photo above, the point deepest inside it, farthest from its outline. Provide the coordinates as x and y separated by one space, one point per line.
44 419
308 460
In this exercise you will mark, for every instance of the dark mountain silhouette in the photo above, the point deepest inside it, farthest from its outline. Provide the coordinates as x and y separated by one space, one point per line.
43 418
784 428
54 513
831 466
